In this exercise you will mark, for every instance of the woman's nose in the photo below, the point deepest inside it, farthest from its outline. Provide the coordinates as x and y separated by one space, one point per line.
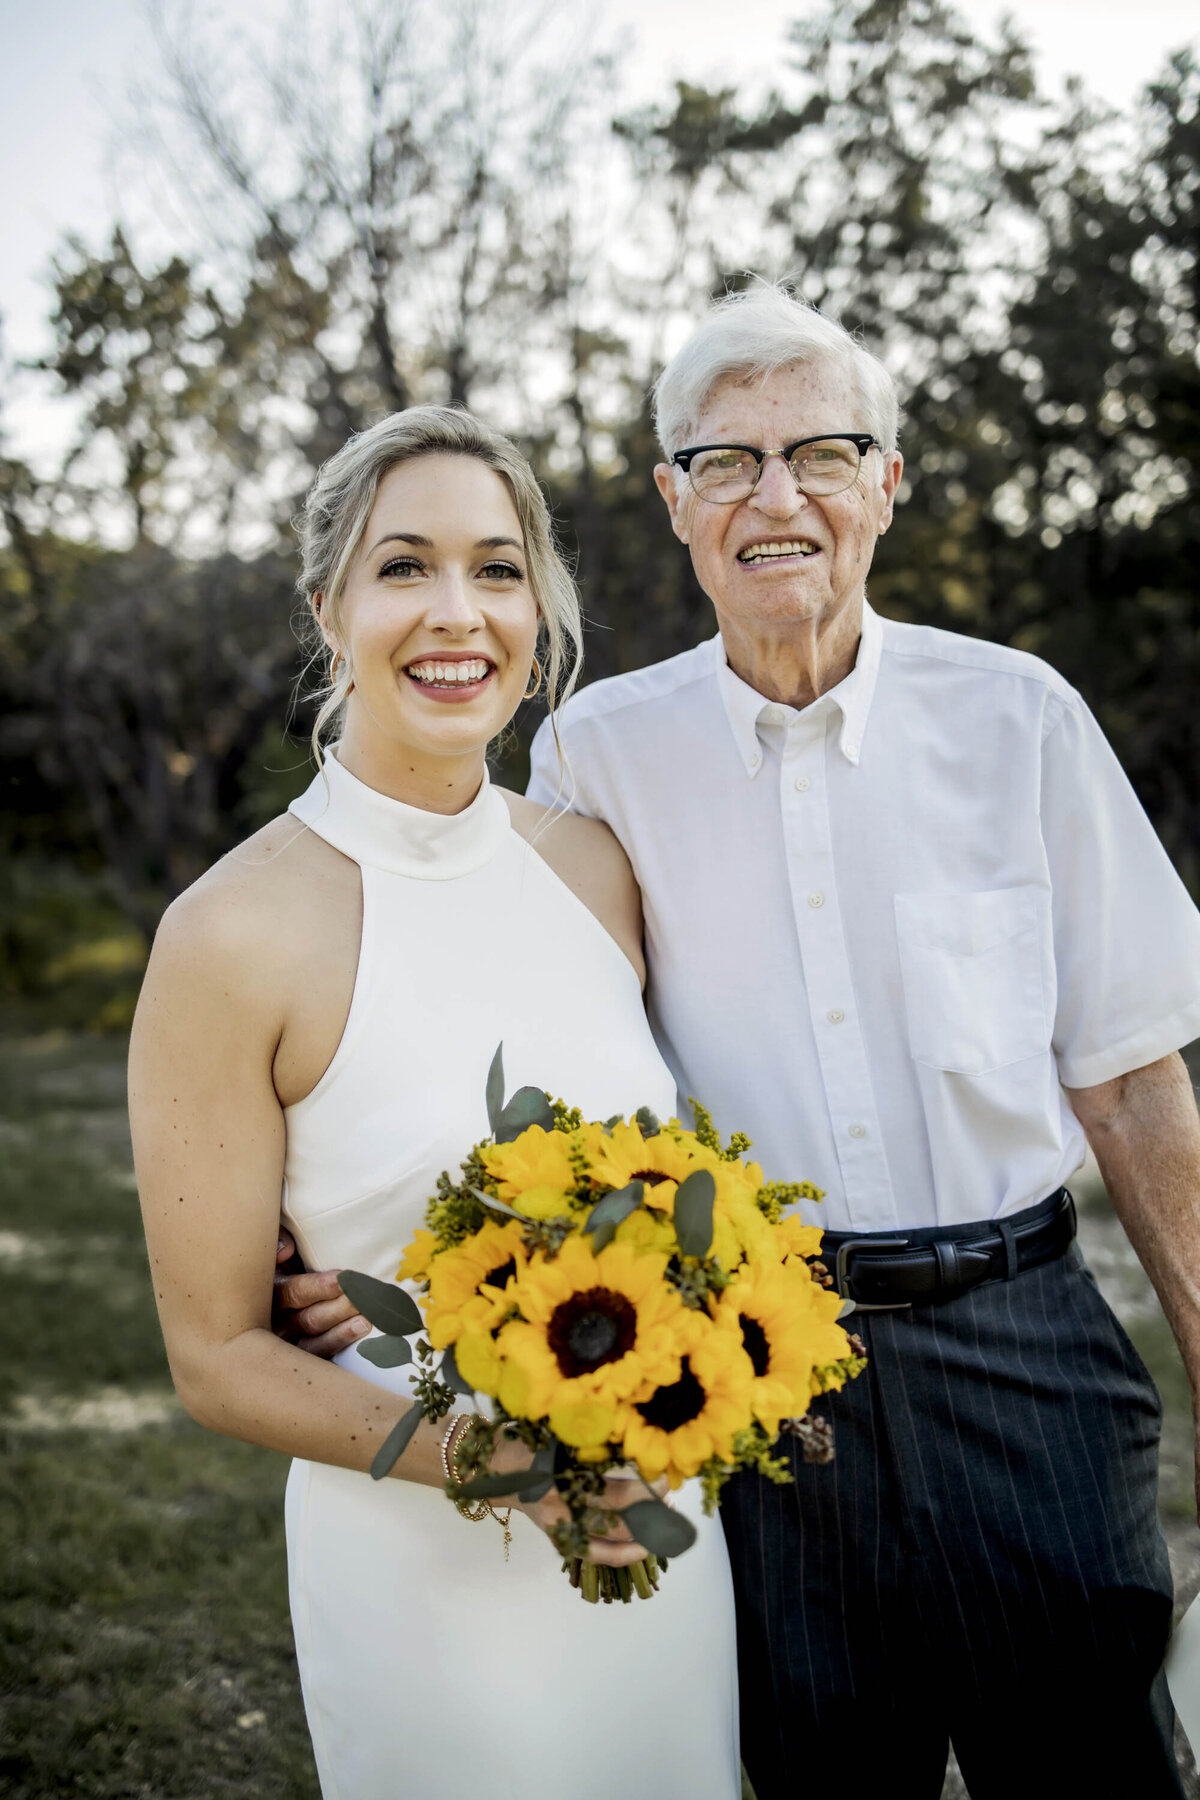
453 604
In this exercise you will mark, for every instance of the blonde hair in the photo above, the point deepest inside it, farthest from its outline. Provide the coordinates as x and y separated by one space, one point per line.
339 505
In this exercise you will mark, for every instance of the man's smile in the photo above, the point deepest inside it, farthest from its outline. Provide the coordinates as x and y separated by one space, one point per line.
772 550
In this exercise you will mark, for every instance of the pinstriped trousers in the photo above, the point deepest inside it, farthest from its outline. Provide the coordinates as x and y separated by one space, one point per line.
982 1562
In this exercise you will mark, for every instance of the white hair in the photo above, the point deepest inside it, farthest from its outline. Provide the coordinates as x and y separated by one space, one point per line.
755 333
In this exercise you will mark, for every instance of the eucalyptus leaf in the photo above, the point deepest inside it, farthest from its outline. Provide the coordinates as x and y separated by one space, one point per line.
607 1127
495 1088
658 1527
609 1211
386 1352
537 1490
385 1304
396 1442
492 1487
694 1213
451 1375
497 1205
647 1122
528 1106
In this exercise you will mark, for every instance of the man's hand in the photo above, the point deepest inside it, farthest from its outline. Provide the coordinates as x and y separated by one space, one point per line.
311 1311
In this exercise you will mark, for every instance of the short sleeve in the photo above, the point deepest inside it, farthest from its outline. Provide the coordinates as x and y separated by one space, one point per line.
554 778
1126 933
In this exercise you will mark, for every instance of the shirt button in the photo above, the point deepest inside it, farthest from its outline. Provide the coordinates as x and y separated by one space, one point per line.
755 760
816 899
857 1131
835 1015
802 784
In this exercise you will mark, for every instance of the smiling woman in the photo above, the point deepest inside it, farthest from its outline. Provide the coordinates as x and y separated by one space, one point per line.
317 1020
359 533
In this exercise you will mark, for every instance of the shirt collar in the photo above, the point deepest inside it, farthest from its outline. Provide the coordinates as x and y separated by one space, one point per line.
745 706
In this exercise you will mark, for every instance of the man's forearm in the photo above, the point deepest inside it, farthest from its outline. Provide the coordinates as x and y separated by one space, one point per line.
1145 1132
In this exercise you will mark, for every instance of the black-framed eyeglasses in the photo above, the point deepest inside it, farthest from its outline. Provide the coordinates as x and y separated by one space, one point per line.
727 473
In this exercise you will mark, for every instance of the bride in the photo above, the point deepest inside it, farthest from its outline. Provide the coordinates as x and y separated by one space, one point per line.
318 1019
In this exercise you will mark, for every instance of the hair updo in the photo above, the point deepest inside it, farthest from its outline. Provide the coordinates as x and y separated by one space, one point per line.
339 505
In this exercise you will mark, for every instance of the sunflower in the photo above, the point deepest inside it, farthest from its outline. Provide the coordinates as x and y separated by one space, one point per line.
676 1426
797 1238
660 1162
536 1159
467 1285
592 1328
415 1266
544 1203
740 1232
786 1325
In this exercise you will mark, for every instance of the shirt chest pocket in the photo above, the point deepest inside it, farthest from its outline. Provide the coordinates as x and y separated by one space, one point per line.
972 966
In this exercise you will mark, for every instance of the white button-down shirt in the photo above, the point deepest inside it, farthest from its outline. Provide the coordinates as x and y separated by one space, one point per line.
883 930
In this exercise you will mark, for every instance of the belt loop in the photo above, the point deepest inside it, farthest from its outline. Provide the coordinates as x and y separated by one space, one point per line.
1009 1239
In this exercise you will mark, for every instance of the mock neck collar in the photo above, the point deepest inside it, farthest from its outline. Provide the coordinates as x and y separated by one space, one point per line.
749 712
373 829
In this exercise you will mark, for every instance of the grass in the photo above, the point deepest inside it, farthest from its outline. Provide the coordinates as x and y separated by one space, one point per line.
145 1646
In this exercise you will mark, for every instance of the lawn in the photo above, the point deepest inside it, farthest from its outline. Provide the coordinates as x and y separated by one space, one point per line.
145 1648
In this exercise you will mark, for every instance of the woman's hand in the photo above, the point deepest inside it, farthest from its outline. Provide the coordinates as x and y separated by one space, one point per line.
609 1543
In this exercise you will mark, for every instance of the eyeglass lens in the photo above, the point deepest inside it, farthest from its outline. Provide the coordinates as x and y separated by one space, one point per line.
731 474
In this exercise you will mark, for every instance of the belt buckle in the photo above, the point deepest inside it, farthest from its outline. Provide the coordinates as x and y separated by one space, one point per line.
841 1274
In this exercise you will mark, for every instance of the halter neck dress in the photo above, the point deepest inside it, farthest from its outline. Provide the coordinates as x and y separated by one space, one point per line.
431 1668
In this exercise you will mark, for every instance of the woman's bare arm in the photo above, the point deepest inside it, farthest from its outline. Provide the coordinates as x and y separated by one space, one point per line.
208 1134
208 1130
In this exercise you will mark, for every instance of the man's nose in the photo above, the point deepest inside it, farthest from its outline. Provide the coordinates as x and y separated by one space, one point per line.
777 492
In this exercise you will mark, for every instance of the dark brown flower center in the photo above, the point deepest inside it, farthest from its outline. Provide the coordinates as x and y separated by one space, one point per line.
500 1274
651 1177
755 1339
593 1327
676 1405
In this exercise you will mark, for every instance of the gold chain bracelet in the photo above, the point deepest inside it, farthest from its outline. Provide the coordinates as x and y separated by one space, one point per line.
451 1445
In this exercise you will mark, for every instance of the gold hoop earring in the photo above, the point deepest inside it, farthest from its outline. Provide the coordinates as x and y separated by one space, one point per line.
536 672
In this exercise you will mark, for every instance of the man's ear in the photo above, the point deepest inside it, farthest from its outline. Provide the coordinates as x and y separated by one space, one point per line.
893 469
678 505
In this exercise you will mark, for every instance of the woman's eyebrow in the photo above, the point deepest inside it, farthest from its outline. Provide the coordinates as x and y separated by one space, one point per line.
415 537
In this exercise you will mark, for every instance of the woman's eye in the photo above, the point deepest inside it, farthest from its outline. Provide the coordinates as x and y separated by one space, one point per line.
401 565
501 571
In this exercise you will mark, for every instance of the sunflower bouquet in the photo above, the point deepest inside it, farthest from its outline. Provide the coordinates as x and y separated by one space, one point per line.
624 1297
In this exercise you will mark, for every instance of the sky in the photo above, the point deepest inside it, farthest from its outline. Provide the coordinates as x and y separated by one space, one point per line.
66 66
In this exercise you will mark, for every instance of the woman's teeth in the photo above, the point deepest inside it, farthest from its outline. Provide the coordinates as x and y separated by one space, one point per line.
764 552
451 674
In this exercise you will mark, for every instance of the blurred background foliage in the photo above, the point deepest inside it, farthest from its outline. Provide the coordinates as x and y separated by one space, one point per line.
439 205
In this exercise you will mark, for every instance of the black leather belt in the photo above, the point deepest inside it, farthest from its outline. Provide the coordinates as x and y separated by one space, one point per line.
928 1267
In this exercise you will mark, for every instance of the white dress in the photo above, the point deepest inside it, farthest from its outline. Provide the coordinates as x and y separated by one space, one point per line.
431 1669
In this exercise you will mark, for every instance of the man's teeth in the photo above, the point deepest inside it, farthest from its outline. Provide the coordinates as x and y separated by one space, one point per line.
764 552
448 674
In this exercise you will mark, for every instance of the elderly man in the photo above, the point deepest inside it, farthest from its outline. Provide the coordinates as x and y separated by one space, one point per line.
907 925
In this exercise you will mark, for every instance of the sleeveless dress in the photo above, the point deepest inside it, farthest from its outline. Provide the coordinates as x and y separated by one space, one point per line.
432 1669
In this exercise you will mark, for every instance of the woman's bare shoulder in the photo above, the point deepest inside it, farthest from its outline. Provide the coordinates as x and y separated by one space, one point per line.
264 901
586 856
